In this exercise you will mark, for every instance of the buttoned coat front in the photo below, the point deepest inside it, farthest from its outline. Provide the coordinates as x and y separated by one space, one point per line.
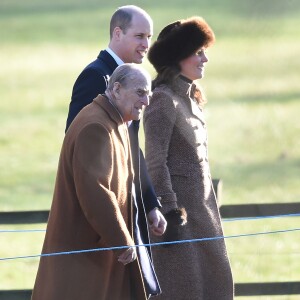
177 160
90 210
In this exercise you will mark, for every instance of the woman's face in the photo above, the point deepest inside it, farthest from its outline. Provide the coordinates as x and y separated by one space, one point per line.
192 67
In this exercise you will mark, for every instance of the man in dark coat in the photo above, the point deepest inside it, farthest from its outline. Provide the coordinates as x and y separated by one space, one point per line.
131 29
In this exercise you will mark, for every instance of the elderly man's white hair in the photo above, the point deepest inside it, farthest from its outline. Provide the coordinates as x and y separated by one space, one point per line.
127 73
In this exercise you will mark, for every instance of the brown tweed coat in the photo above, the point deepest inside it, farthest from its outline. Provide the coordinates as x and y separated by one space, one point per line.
91 209
177 160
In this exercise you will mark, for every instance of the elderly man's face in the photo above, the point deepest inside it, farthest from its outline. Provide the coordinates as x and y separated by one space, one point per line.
133 97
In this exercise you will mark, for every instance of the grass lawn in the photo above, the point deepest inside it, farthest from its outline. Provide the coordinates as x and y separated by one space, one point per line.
252 85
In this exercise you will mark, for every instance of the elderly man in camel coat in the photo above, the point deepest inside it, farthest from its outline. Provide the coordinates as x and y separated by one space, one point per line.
93 206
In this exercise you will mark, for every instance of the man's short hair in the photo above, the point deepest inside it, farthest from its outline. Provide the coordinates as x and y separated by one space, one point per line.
123 16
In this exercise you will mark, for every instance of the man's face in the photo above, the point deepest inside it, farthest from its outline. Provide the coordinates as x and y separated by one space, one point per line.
135 42
132 98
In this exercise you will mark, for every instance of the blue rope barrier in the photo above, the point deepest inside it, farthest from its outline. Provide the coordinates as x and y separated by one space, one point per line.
223 220
152 245
262 217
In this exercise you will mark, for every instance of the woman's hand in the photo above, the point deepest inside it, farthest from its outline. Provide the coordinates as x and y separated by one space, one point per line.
128 256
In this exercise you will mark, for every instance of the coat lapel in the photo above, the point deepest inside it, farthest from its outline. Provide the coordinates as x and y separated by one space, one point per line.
197 111
107 61
185 90
116 117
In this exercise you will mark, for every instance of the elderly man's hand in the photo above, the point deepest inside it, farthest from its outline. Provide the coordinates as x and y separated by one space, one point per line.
157 222
128 256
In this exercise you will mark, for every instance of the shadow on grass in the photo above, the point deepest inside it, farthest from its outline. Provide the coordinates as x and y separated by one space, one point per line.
265 8
268 98
281 173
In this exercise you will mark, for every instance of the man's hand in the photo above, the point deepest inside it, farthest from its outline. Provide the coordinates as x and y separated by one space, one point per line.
128 256
157 222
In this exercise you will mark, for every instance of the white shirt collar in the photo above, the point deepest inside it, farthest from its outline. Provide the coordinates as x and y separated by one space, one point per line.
118 60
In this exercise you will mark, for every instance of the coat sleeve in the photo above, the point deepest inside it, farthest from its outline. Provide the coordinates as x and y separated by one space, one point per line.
93 167
88 86
159 119
143 184
149 196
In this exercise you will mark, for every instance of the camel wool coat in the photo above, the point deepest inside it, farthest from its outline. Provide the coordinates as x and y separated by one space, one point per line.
91 209
177 160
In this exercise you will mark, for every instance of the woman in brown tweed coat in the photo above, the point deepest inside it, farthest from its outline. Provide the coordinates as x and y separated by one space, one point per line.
177 160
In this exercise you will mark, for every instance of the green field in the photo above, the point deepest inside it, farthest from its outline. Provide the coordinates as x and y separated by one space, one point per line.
252 86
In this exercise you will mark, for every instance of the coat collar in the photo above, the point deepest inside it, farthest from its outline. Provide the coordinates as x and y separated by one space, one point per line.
185 89
108 60
115 116
103 101
116 58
